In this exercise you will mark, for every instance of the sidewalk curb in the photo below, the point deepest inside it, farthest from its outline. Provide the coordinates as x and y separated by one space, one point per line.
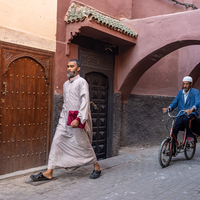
22 172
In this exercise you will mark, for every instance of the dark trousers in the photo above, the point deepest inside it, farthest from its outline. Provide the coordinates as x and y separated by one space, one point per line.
184 121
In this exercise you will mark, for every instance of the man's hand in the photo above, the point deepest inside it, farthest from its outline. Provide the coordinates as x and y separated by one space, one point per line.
75 123
165 110
190 110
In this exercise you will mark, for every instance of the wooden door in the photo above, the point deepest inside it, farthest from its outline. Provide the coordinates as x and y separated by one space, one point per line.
98 84
25 114
98 69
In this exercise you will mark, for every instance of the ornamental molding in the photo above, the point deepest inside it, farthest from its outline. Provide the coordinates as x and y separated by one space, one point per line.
97 61
10 57
78 13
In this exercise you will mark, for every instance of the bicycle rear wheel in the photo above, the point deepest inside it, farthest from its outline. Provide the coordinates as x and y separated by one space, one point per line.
189 150
165 153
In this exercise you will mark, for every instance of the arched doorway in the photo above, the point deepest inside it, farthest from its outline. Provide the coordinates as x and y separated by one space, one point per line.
25 113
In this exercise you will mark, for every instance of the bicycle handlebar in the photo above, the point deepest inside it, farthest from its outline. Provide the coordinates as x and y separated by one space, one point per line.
177 114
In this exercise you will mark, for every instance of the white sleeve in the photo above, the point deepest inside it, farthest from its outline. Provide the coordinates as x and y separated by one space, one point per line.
85 102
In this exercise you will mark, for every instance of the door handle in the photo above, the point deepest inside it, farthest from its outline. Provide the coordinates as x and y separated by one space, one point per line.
95 106
5 90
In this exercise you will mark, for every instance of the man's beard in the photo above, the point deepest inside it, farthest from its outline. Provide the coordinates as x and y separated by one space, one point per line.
72 74
186 89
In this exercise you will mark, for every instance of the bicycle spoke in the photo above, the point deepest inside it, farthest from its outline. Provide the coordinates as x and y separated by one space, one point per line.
165 153
190 150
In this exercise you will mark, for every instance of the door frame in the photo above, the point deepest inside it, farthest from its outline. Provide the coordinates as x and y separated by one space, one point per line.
110 74
44 57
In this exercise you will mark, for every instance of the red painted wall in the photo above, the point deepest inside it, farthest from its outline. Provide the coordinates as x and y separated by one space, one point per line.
163 78
117 9
149 8
156 32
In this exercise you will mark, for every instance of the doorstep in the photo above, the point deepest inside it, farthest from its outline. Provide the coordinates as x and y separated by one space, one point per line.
22 172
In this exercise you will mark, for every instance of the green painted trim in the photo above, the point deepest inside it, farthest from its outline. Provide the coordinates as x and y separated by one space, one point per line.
78 13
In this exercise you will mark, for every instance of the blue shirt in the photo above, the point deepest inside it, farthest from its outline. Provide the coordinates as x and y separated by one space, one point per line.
185 95
185 98
187 101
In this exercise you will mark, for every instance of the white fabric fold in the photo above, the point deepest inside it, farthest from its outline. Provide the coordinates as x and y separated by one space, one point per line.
71 147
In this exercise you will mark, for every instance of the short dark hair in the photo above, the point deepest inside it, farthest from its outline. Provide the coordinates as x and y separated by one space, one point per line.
78 64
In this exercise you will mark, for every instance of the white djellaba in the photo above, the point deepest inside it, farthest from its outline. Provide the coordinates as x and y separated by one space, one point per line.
71 147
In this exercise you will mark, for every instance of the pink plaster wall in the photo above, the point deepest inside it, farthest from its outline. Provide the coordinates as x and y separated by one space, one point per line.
197 84
188 57
165 77
117 9
149 8
154 33
61 65
161 78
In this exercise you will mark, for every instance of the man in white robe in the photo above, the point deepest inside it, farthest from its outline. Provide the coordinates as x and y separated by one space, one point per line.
71 146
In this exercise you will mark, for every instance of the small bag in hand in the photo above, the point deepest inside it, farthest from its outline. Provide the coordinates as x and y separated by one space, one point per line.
72 116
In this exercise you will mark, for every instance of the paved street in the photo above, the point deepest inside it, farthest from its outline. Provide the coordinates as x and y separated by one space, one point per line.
134 174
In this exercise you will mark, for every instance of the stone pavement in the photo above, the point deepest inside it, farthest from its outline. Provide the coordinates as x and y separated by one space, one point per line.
133 175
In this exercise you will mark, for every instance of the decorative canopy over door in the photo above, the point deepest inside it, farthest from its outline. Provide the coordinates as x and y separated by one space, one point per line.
87 21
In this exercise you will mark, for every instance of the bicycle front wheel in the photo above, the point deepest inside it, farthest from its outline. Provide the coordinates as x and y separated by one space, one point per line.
189 150
165 153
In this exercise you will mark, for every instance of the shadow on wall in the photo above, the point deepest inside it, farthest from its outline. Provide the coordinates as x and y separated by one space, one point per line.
195 74
143 65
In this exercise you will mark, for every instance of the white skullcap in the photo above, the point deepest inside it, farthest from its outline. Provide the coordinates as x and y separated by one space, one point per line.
187 78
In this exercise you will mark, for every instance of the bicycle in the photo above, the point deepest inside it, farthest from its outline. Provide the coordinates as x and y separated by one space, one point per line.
167 147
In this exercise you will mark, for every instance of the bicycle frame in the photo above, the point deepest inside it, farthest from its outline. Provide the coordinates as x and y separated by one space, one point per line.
180 145
170 144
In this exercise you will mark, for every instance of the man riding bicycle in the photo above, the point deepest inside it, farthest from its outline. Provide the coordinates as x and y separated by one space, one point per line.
187 99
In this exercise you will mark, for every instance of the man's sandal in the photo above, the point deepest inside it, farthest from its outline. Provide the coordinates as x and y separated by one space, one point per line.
95 174
39 177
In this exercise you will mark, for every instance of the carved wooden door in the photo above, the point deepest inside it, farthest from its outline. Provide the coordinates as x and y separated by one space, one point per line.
98 69
24 115
98 84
